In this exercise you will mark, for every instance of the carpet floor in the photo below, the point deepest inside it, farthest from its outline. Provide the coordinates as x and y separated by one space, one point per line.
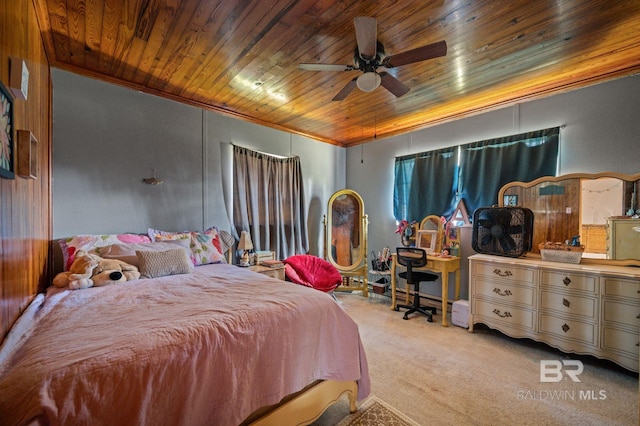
448 376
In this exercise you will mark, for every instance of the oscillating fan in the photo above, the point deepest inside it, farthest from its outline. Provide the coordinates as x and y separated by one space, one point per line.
503 231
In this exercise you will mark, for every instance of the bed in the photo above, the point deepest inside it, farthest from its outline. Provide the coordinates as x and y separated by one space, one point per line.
219 346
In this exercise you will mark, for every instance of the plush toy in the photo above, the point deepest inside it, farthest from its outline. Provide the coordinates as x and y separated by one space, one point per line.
88 270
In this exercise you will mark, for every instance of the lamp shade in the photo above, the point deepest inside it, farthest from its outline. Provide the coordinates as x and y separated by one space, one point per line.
245 242
368 81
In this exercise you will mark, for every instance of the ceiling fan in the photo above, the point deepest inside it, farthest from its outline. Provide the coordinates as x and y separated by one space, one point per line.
369 56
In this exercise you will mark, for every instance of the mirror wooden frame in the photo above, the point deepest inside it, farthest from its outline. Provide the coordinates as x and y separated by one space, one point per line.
570 183
355 275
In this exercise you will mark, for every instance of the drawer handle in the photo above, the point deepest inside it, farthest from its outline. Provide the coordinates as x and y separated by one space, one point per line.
502 293
566 303
507 314
566 281
638 316
565 327
499 273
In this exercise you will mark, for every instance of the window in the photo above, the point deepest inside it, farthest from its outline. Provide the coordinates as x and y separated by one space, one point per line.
269 201
433 182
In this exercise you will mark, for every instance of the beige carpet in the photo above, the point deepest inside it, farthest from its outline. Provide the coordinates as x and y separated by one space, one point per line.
448 376
374 411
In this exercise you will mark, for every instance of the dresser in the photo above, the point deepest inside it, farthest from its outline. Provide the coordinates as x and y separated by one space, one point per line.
583 309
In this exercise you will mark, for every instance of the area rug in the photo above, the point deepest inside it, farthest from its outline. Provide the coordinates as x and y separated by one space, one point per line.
376 412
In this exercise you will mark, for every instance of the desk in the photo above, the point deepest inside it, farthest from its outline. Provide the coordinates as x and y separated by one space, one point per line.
437 264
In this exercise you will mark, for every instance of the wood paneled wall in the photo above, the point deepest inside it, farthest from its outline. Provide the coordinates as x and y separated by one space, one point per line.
25 204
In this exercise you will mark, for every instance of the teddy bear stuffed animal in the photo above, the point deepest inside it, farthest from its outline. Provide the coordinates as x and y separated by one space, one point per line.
88 270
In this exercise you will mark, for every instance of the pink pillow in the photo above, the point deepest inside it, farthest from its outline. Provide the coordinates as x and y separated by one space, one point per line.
205 246
71 245
312 271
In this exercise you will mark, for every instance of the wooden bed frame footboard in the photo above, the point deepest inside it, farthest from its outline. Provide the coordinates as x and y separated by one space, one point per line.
306 406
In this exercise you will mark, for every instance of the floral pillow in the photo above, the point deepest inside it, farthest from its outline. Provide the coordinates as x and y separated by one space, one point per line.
205 246
70 246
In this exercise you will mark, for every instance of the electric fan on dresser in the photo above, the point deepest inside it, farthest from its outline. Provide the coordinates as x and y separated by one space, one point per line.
502 231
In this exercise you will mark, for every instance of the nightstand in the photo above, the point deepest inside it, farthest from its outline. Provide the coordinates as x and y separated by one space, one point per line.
277 273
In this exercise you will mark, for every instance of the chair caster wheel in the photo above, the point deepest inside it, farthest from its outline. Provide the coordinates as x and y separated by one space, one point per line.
429 319
396 309
405 318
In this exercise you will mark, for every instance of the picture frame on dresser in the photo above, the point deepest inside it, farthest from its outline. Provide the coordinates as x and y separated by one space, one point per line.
426 239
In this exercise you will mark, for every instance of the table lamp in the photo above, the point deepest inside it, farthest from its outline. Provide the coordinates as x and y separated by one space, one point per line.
246 245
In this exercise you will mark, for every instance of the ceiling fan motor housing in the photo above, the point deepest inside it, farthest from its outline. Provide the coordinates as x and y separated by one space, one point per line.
365 65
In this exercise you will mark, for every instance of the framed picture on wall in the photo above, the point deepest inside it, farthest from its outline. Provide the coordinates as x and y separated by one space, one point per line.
7 143
426 240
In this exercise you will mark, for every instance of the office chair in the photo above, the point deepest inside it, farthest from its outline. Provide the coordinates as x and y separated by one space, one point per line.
412 257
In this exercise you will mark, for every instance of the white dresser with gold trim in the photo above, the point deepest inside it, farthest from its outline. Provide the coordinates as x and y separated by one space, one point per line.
583 308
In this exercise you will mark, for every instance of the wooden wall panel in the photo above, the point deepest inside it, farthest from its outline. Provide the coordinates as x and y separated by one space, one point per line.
25 204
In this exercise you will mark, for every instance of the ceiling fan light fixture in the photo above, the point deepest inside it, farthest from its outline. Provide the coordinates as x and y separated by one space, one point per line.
368 81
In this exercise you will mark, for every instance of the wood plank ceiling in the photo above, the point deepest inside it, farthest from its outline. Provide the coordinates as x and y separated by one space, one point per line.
241 57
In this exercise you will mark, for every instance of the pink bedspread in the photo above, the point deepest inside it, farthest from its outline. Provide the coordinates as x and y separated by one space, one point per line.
207 348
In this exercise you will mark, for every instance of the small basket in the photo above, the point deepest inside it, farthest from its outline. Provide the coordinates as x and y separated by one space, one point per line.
558 252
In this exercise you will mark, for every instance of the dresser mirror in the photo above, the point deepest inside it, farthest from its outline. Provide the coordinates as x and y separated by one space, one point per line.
578 204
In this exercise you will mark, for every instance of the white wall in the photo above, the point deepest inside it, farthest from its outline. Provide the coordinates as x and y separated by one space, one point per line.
107 138
602 133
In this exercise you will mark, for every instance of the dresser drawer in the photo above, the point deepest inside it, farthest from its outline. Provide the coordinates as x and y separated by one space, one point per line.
568 329
622 288
504 292
620 340
508 315
507 272
569 304
569 281
621 313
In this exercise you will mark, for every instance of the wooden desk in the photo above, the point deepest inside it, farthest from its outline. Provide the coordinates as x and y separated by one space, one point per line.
437 264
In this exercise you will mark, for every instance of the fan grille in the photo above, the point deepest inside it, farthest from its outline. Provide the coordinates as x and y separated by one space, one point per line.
502 231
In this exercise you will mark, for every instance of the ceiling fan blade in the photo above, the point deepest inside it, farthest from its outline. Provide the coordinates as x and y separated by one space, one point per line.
366 36
392 84
418 54
345 90
325 67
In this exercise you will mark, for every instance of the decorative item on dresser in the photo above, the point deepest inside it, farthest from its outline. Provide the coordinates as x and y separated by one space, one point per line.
583 309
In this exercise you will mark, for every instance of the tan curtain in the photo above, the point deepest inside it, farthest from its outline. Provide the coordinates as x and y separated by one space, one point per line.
269 201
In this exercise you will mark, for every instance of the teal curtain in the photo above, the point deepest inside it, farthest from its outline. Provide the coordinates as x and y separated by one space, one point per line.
487 165
433 182
424 184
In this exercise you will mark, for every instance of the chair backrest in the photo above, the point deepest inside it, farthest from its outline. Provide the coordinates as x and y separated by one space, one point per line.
411 257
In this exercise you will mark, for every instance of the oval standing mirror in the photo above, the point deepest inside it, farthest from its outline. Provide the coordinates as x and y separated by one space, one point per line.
346 239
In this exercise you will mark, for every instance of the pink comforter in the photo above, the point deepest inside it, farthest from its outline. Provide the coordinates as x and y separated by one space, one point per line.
205 348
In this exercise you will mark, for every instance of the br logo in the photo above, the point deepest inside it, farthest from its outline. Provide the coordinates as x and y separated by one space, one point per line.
553 370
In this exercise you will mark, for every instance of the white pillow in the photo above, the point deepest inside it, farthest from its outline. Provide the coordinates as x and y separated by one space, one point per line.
160 263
